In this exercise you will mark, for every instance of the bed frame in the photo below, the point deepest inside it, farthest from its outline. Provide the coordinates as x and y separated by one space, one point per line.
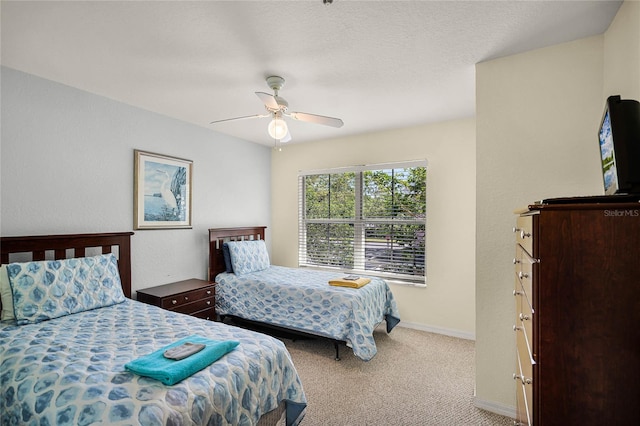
217 237
50 247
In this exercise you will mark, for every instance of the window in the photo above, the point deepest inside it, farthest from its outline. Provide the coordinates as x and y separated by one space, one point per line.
369 220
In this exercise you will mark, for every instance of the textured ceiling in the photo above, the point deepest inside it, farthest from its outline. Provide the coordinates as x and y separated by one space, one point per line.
375 64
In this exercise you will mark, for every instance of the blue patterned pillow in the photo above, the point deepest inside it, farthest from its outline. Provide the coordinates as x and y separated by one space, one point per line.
54 288
248 256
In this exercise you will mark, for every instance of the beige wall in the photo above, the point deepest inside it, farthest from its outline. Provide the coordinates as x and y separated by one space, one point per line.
537 116
448 303
622 53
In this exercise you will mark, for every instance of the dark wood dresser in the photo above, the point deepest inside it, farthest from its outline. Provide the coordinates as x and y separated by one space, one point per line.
194 297
577 292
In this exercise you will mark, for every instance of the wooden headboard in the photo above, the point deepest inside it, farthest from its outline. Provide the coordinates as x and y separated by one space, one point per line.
218 236
68 246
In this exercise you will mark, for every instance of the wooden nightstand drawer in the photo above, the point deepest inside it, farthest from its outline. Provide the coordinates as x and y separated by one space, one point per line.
177 300
209 314
198 305
193 297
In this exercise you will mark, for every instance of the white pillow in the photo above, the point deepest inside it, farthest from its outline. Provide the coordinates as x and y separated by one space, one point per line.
5 295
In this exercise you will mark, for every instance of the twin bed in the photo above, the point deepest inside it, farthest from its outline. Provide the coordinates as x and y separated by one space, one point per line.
70 369
295 299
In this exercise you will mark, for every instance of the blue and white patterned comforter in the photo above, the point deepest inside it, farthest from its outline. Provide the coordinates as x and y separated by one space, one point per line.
302 299
70 371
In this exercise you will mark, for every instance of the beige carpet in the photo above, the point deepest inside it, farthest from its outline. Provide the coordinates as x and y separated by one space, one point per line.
417 378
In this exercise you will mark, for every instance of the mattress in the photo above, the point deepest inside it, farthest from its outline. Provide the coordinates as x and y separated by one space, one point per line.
302 299
70 371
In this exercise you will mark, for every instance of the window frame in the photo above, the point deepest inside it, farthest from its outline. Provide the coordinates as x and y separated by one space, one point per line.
359 222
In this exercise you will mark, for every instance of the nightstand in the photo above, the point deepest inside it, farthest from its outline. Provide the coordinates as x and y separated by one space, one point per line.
194 297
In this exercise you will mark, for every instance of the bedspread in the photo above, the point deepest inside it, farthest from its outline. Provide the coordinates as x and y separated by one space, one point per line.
70 370
302 299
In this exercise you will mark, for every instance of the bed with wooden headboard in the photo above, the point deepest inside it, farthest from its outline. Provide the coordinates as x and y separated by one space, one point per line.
295 299
69 366
219 236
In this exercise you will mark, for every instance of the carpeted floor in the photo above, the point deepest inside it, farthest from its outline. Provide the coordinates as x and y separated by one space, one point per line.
417 378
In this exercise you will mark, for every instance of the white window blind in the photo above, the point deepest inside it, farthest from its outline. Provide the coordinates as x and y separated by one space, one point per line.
365 220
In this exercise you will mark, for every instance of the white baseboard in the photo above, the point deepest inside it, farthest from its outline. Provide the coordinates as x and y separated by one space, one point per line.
494 407
439 330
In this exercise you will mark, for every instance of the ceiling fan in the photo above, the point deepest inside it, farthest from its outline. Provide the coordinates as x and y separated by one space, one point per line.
278 108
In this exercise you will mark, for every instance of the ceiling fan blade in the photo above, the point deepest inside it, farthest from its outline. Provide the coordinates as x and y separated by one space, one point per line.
241 118
268 100
317 119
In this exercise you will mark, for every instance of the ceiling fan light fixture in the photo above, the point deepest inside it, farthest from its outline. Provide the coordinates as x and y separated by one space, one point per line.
278 128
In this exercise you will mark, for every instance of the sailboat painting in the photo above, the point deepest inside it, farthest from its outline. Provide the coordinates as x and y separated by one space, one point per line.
162 193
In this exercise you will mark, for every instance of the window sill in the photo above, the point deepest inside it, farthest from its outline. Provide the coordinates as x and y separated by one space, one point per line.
390 280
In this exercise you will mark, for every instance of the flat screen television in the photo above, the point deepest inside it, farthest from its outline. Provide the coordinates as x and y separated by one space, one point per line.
619 136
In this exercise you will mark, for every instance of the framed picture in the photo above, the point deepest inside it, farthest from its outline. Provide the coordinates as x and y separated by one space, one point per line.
162 191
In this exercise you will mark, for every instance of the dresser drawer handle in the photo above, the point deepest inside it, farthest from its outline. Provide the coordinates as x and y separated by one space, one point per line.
523 275
174 301
208 291
208 302
523 234
516 261
524 380
186 298
524 317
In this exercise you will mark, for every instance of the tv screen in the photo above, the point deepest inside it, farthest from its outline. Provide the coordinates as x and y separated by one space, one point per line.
607 153
619 137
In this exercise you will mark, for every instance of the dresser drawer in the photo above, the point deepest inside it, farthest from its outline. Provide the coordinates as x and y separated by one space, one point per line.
525 350
192 307
524 232
524 265
177 300
524 319
524 398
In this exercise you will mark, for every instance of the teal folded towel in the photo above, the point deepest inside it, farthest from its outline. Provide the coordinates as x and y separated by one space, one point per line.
170 371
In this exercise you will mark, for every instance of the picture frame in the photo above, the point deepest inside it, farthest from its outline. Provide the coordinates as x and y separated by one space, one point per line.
163 191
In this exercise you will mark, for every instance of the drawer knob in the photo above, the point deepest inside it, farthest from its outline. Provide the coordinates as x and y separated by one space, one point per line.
208 291
516 328
524 317
516 261
517 293
208 302
523 234
174 301
524 380
523 275
186 298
